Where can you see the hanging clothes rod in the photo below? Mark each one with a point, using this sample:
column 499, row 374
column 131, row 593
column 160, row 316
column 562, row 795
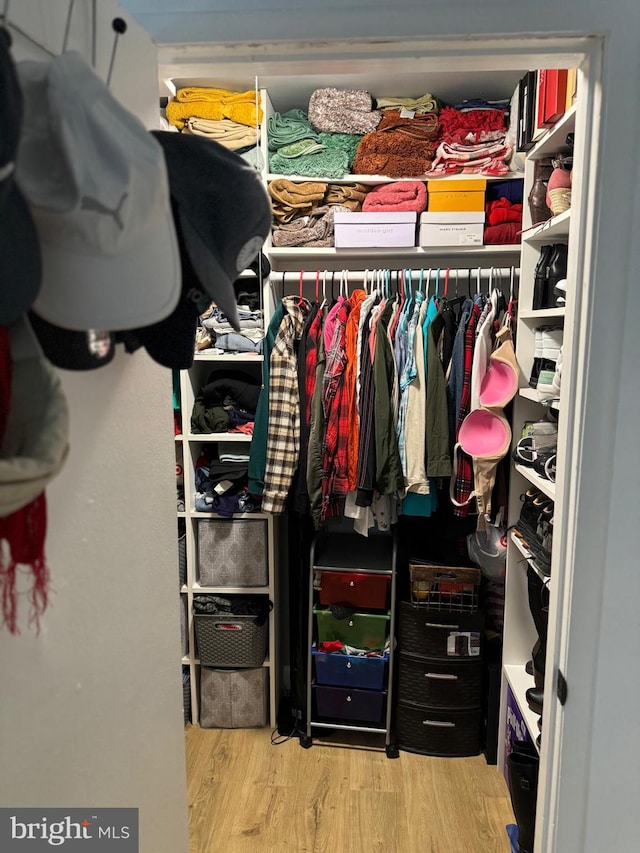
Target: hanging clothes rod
column 359, row 275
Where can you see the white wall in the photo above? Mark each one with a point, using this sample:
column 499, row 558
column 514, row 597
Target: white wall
column 599, row 776
column 91, row 709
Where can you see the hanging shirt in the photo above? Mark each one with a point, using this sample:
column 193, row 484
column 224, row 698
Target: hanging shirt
column 258, row 449
column 406, row 377
column 283, row 434
column 464, row 479
column 389, row 476
column 437, row 432
column 330, row 323
column 307, row 354
column 482, row 351
column 356, row 301
column 316, row 428
column 415, row 423
column 456, row 370
column 335, row 403
column 366, row 451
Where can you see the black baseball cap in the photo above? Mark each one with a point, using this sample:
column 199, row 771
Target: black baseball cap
column 222, row 209
column 73, row 350
column 20, row 261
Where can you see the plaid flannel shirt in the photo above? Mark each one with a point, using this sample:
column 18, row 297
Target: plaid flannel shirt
column 464, row 480
column 283, row 434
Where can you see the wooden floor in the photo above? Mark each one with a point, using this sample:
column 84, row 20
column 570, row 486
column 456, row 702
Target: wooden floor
column 248, row 796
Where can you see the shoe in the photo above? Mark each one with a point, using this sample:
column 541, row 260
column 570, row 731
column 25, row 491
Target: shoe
column 537, row 358
column 560, row 293
column 535, row 699
column 538, row 207
column 522, row 774
column 557, row 271
column 541, row 278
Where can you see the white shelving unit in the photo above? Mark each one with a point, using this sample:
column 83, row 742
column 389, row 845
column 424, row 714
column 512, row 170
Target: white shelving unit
column 519, row 631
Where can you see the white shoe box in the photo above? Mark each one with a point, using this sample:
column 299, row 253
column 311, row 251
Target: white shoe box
column 455, row 228
column 375, row 230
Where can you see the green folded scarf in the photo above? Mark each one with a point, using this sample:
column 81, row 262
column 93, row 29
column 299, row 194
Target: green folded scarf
column 285, row 128
column 324, row 164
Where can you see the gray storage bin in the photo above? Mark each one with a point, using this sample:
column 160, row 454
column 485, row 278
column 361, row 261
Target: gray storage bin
column 232, row 553
column 227, row 640
column 233, row 699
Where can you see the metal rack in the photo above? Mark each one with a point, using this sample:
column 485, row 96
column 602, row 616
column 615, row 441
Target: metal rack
column 352, row 553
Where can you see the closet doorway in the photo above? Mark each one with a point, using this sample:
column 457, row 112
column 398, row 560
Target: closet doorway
column 289, row 72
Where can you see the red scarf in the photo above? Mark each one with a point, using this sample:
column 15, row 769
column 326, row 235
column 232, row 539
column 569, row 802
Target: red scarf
column 23, row 530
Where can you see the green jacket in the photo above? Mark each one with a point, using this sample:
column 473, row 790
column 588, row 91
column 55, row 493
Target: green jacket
column 389, row 476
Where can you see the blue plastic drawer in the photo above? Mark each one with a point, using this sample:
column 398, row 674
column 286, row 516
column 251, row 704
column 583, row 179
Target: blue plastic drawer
column 361, row 630
column 350, row 670
column 342, row 703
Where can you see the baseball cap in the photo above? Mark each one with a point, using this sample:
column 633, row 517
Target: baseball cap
column 171, row 341
column 97, row 186
column 223, row 210
column 73, row 350
column 20, row 264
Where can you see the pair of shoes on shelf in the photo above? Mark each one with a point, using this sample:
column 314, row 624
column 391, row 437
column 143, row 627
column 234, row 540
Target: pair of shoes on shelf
column 547, row 349
column 550, row 270
column 534, row 528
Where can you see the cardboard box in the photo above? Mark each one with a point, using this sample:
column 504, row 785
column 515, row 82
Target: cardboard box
column 452, row 229
column 450, row 196
column 375, row 230
column 572, row 85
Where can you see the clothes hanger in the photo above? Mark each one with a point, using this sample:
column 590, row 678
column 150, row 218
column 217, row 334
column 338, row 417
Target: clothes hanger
column 317, row 285
column 300, row 284
column 324, row 290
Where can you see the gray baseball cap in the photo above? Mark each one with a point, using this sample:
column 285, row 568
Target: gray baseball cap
column 96, row 182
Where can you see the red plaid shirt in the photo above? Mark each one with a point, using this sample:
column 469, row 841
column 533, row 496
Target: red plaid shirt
column 464, row 479
column 335, row 403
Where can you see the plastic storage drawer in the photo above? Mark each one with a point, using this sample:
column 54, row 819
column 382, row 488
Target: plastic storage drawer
column 440, row 684
column 350, row 670
column 437, row 731
column 355, row 589
column 233, row 699
column 342, row 703
column 232, row 553
column 362, row 630
column 228, row 640
column 436, row 634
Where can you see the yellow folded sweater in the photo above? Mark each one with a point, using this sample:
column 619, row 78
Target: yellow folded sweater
column 214, row 104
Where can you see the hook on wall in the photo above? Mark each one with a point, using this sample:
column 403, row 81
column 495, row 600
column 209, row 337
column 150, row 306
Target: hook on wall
column 119, row 26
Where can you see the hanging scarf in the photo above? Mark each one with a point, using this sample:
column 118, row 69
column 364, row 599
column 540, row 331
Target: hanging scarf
column 24, row 530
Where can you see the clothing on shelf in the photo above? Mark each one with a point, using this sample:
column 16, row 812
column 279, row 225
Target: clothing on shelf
column 215, row 105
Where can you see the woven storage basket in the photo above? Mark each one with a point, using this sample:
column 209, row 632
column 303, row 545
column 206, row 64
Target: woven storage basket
column 439, row 634
column 182, row 559
column 232, row 553
column 440, row 684
column 229, row 640
column 233, row 699
column 438, row 731
column 453, row 588
column 560, row 200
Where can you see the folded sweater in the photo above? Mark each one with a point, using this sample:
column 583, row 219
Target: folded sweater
column 214, row 104
column 396, row 197
column 342, row 111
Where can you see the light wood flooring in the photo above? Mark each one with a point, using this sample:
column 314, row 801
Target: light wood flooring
column 248, row 796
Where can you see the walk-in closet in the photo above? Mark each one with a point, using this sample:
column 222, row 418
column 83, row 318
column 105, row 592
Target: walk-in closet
column 335, row 550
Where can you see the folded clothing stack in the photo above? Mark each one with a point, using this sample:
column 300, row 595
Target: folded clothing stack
column 230, row 134
column 315, row 230
column 251, row 322
column 473, row 141
column 327, row 155
column 222, row 484
column 396, row 197
column 424, row 104
column 226, row 403
column 343, row 111
column 400, row 147
column 503, row 222
column 291, row 200
column 214, row 104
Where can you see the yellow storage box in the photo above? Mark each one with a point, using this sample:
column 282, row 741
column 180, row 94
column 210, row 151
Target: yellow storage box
column 451, row 196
